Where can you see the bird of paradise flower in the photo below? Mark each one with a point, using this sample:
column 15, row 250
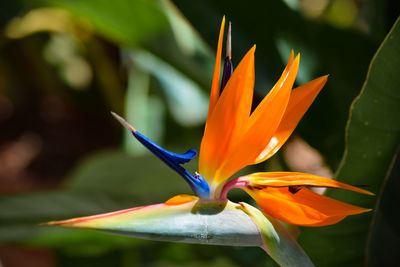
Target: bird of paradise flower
column 235, row 137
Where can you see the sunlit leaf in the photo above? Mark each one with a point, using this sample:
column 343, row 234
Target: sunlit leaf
column 125, row 21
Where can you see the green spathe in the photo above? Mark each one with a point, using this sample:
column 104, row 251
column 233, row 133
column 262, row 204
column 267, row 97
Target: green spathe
column 201, row 222
column 278, row 243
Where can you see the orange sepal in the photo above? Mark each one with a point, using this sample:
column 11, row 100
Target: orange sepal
column 305, row 207
column 300, row 100
column 229, row 118
column 282, row 179
column 180, row 199
column 262, row 123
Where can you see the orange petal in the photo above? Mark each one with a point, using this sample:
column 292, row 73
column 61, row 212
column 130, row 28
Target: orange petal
column 304, row 207
column 229, row 118
column 300, row 100
column 281, row 179
column 262, row 123
column 214, row 95
column 180, row 199
column 288, row 65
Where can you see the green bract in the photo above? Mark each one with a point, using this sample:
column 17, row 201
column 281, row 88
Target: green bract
column 202, row 222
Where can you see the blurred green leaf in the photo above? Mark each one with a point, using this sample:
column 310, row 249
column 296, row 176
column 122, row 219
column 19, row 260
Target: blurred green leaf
column 78, row 242
column 124, row 21
column 40, row 207
column 144, row 111
column 111, row 258
column 145, row 178
column 21, row 214
column 182, row 47
column 374, row 13
column 187, row 102
column 175, row 54
column 373, row 135
column 218, row 262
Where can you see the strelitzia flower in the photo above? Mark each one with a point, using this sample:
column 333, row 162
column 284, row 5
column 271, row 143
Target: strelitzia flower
column 235, row 137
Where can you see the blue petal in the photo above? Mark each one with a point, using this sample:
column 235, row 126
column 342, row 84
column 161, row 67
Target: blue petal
column 181, row 158
column 227, row 73
column 173, row 160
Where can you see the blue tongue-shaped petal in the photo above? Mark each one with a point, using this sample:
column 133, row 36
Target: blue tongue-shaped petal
column 165, row 155
column 173, row 160
column 156, row 149
column 183, row 158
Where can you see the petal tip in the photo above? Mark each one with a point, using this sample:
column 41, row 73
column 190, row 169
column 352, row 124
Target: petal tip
column 361, row 210
column 229, row 42
column 59, row 223
column 324, row 78
column 369, row 193
column 291, row 58
column 222, row 24
column 123, row 122
column 251, row 51
column 297, row 57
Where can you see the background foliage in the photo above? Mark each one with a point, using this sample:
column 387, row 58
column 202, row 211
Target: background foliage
column 64, row 64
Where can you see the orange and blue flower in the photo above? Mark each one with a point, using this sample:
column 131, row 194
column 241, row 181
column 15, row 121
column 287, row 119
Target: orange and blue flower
column 235, row 137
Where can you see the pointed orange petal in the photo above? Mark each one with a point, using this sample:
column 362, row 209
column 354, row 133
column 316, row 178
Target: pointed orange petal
column 229, row 118
column 300, row 100
column 276, row 100
column 282, row 179
column 304, row 207
column 288, row 65
column 291, row 57
column 262, row 123
column 214, row 95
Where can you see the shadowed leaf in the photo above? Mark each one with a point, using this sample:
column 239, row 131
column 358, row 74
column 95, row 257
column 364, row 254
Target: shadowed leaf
column 373, row 134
